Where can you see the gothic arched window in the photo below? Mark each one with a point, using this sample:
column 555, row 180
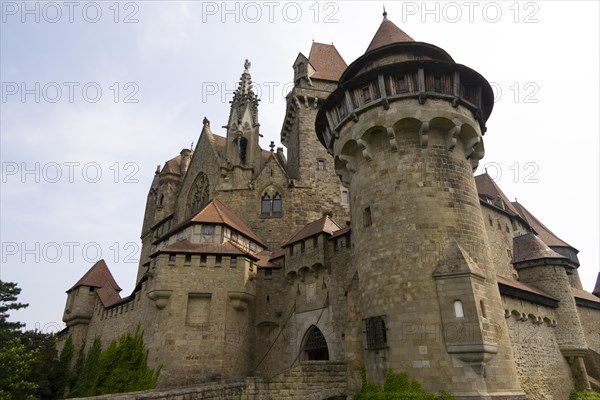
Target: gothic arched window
column 199, row 193
column 265, row 206
column 271, row 206
column 241, row 144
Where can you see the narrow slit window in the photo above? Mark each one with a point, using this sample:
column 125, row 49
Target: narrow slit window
column 367, row 217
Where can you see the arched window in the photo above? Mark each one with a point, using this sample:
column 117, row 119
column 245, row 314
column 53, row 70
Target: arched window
column 241, row 143
column 271, row 206
column 276, row 205
column 265, row 206
column 199, row 193
column 458, row 309
column 315, row 345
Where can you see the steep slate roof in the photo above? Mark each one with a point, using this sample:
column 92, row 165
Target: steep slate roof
column 543, row 232
column 327, row 62
column 325, row 224
column 173, row 166
column 530, row 247
column 99, row 277
column 488, row 188
column 387, row 33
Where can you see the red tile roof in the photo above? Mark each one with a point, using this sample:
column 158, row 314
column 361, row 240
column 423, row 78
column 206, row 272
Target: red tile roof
column 99, row 277
column 523, row 286
column 543, row 232
column 327, row 62
column 322, row 225
column 388, row 33
column 340, row 232
column 582, row 294
column 215, row 212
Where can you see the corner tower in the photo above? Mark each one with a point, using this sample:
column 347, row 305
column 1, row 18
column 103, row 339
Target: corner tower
column 405, row 127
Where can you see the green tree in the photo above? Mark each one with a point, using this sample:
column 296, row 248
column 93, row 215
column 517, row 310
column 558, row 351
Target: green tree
column 121, row 368
column 9, row 292
column 28, row 359
column 17, row 363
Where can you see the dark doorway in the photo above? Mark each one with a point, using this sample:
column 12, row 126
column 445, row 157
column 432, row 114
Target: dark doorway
column 315, row 345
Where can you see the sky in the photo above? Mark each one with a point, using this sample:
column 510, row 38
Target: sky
column 96, row 94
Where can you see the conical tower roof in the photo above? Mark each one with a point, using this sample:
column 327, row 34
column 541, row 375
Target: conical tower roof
column 388, row 33
column 530, row 247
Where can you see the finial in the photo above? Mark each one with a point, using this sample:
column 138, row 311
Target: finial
column 247, row 65
column 192, row 146
column 384, row 12
column 272, row 146
column 206, row 122
column 157, row 169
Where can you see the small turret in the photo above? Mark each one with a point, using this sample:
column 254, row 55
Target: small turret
column 544, row 268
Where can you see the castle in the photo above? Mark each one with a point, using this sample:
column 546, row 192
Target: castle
column 371, row 244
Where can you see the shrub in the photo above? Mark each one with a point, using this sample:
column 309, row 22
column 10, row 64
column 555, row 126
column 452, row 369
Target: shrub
column 397, row 386
column 584, row 395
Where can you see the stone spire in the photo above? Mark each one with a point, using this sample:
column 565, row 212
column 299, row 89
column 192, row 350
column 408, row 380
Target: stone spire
column 244, row 96
column 387, row 33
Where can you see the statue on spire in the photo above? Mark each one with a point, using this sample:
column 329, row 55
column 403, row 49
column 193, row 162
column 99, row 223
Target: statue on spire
column 247, row 65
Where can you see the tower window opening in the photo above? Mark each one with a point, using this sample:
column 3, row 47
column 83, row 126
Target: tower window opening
column 320, row 165
column 218, row 259
column 376, row 333
column 233, row 261
column 458, row 309
column 172, row 258
column 315, row 242
column 366, row 94
column 345, row 197
column 277, row 203
column 348, row 241
column 161, row 200
column 437, row 84
column 241, row 143
column 401, row 84
column 202, row 259
column 188, row 259
column 302, row 246
column 367, row 217
column 268, row 274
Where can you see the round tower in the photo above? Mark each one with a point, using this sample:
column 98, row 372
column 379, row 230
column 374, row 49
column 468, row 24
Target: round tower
column 405, row 127
column 542, row 267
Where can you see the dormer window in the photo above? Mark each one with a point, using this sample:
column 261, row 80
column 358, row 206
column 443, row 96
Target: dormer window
column 301, row 68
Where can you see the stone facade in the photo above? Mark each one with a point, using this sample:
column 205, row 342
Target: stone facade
column 371, row 245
